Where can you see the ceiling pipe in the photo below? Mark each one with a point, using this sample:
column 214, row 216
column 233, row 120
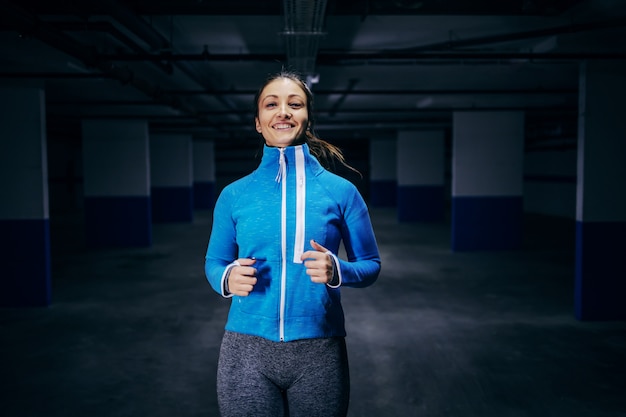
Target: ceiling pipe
column 107, row 27
column 540, row 91
column 404, row 58
column 345, row 57
column 304, row 21
column 157, row 42
column 28, row 25
column 303, row 29
column 137, row 25
column 55, row 75
column 517, row 36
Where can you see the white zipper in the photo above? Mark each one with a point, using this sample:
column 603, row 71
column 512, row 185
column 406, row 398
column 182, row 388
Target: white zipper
column 300, row 229
column 282, row 176
column 298, row 248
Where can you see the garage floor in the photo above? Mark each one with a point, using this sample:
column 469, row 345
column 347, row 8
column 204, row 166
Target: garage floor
column 136, row 332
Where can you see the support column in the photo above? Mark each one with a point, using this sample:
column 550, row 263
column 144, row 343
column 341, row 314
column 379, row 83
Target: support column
column 117, row 183
column 383, row 174
column 600, row 198
column 24, row 215
column 487, row 178
column 421, row 193
column 171, row 170
column 204, row 175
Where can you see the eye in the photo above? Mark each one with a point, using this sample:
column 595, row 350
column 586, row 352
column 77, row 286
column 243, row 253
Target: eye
column 296, row 105
column 270, row 105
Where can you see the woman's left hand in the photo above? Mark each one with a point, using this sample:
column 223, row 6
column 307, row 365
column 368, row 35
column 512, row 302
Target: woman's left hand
column 318, row 263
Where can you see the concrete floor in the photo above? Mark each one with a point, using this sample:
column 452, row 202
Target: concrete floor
column 136, row 332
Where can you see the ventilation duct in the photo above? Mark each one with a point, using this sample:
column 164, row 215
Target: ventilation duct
column 304, row 20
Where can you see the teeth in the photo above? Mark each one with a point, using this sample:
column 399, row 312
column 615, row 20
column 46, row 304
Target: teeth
column 282, row 126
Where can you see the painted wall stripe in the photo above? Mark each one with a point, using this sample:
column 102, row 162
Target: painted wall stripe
column 421, row 203
column 25, row 259
column 118, row 221
column 203, row 195
column 486, row 223
column 383, row 193
column 600, row 271
column 172, row 204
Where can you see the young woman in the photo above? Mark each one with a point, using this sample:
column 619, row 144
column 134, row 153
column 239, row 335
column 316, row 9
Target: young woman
column 273, row 246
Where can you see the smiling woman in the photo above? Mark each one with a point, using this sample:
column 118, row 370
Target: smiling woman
column 273, row 249
column 295, row 114
column 282, row 116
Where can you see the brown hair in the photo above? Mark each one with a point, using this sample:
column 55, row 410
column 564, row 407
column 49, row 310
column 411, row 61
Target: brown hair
column 327, row 154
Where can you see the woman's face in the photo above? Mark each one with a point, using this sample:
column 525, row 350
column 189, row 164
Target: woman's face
column 283, row 114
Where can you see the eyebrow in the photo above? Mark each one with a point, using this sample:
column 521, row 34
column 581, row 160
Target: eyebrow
column 289, row 96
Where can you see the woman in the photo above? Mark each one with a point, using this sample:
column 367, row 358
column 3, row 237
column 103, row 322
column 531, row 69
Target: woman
column 273, row 246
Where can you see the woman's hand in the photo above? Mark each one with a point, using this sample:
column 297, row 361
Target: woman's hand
column 242, row 278
column 318, row 263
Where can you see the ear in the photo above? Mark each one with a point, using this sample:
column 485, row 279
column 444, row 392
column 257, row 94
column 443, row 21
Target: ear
column 258, row 125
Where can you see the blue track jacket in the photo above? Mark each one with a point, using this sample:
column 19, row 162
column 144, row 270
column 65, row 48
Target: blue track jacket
column 271, row 215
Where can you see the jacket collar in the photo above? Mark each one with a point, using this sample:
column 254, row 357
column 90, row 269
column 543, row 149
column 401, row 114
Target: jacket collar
column 271, row 159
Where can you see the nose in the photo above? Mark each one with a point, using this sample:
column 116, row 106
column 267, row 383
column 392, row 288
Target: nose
column 284, row 111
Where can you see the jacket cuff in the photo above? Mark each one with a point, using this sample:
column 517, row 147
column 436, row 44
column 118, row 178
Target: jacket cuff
column 224, row 280
column 335, row 282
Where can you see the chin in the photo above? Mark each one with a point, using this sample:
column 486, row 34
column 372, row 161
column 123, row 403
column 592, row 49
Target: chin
column 283, row 143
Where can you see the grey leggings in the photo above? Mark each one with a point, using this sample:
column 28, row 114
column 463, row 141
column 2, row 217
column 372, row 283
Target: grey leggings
column 304, row 378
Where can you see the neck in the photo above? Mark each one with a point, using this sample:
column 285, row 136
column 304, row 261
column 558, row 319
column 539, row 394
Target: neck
column 296, row 142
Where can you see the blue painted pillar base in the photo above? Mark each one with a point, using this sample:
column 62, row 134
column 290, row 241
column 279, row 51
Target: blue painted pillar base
column 600, row 288
column 383, row 193
column 118, row 221
column 487, row 223
column 172, row 204
column 25, row 263
column 204, row 195
column 421, row 203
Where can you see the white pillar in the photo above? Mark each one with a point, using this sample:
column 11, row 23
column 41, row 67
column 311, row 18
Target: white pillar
column 204, row 174
column 116, row 166
column 24, row 215
column 171, row 169
column 600, row 197
column 487, row 178
column 421, row 188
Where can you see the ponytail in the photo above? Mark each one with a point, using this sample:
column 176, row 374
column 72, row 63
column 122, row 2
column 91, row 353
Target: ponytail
column 327, row 154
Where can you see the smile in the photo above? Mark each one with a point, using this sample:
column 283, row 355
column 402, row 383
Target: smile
column 282, row 126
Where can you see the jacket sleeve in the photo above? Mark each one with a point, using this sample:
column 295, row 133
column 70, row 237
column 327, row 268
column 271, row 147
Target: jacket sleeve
column 362, row 267
column 222, row 249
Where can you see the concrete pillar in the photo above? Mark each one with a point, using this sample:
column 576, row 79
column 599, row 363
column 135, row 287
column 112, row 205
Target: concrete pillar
column 383, row 174
column 116, row 166
column 600, row 195
column 204, row 174
column 421, row 188
column 487, row 178
column 171, row 170
column 24, row 214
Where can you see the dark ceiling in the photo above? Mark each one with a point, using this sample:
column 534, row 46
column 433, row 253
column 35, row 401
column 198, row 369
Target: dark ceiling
column 375, row 66
column 334, row 7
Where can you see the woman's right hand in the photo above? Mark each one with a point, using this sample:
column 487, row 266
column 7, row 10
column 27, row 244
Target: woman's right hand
column 242, row 278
